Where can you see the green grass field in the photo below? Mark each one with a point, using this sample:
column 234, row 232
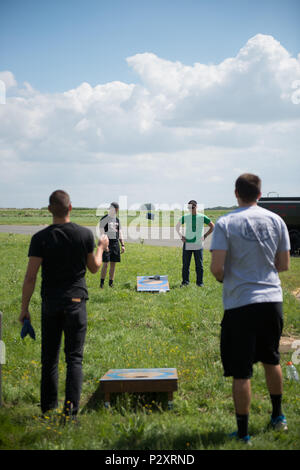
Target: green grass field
column 90, row 217
column 127, row 329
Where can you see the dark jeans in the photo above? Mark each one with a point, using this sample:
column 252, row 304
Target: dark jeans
column 186, row 261
column 68, row 317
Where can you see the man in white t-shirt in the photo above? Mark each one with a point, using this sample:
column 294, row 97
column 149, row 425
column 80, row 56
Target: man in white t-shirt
column 250, row 246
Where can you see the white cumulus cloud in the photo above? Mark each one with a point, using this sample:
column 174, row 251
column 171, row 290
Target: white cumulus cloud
column 183, row 128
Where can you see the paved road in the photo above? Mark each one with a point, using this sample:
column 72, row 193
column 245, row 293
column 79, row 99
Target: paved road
column 165, row 236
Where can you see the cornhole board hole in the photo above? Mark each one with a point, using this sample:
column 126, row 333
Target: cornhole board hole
column 139, row 381
column 153, row 283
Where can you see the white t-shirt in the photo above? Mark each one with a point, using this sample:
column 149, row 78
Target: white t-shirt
column 251, row 236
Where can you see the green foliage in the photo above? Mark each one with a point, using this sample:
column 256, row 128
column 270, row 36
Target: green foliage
column 127, row 329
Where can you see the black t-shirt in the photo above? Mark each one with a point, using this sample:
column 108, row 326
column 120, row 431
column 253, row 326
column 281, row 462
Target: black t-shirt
column 64, row 249
column 111, row 227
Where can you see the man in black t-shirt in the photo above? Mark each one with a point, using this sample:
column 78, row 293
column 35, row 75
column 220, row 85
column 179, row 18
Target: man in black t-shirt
column 110, row 225
column 64, row 250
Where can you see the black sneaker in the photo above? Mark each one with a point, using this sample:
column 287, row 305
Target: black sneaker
column 69, row 419
column 68, row 416
column 279, row 423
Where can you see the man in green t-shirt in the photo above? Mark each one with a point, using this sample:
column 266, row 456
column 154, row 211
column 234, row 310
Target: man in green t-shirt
column 192, row 241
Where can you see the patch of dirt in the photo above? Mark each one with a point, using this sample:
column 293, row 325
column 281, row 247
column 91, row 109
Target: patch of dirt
column 296, row 293
column 286, row 344
column 287, row 341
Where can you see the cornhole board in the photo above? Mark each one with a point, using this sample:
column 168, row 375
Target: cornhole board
column 149, row 284
column 139, row 381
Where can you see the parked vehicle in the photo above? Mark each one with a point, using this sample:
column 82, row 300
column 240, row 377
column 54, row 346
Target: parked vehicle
column 289, row 210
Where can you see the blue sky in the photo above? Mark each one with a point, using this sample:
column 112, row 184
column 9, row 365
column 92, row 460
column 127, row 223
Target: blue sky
column 55, row 45
column 144, row 108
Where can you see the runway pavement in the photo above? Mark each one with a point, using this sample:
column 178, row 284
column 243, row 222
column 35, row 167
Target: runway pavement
column 164, row 236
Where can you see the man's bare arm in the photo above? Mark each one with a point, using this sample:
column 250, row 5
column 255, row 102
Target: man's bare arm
column 282, row 261
column 121, row 238
column 211, row 228
column 178, row 227
column 217, row 264
column 94, row 260
column 33, row 267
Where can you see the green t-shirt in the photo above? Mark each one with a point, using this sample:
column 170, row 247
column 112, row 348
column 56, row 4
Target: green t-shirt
column 194, row 227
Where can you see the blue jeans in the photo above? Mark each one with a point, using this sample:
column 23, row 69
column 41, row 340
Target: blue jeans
column 186, row 261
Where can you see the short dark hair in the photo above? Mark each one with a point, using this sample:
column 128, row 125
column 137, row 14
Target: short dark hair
column 59, row 202
column 193, row 202
column 248, row 187
column 115, row 205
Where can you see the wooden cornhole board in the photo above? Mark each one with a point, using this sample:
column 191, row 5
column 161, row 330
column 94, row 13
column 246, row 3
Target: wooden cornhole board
column 139, row 381
column 150, row 284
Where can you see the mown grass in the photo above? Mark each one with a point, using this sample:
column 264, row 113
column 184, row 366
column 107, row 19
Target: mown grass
column 90, row 217
column 127, row 329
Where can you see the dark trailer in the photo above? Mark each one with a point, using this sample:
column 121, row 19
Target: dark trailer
column 289, row 210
